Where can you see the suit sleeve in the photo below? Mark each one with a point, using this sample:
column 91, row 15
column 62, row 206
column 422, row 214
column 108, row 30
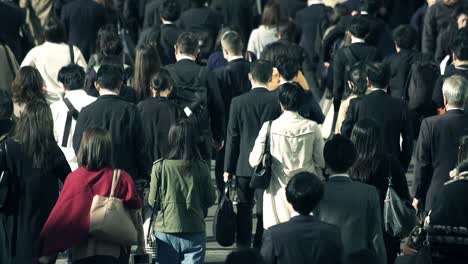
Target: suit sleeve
column 407, row 143
column 141, row 150
column 318, row 149
column 437, row 96
column 232, row 140
column 338, row 79
column 423, row 167
column 215, row 107
column 375, row 227
column 350, row 118
column 267, row 251
column 429, row 33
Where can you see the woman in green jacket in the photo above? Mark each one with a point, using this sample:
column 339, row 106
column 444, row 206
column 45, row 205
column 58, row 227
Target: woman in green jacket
column 181, row 185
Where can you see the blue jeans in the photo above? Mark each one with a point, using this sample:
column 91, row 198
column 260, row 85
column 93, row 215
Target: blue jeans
column 184, row 248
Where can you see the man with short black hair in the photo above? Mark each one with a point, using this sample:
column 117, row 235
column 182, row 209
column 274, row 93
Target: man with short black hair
column 390, row 113
column 247, row 114
column 169, row 31
column 303, row 239
column 350, row 205
column 66, row 111
column 121, row 119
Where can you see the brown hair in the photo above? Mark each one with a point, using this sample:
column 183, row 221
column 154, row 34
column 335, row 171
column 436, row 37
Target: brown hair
column 28, row 86
column 95, row 151
column 147, row 63
column 271, row 16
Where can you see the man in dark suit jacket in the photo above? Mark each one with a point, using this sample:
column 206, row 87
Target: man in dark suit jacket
column 389, row 112
column 247, row 114
column 187, row 73
column 350, row 205
column 121, row 119
column 303, row 239
column 201, row 18
column 11, row 19
column 437, row 148
column 348, row 56
column 82, row 20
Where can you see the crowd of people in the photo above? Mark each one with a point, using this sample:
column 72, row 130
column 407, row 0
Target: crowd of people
column 132, row 100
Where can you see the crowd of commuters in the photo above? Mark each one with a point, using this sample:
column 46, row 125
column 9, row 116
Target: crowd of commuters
column 134, row 100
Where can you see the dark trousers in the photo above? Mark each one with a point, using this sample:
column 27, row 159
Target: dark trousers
column 219, row 171
column 98, row 259
column 245, row 213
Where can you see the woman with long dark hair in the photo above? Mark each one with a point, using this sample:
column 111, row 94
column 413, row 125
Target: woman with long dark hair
column 158, row 113
column 147, row 63
column 27, row 87
column 375, row 167
column 34, row 165
column 181, row 185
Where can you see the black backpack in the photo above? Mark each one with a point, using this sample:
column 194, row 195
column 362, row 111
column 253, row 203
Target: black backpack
column 353, row 62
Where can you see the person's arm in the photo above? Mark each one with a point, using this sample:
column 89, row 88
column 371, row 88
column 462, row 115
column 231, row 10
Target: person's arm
column 208, row 189
column 375, row 227
column 155, row 177
column 257, row 152
column 215, row 108
column 61, row 168
column 252, row 43
column 429, row 32
column 407, row 143
column 423, row 167
column 338, row 79
column 232, row 140
column 80, row 60
column 437, row 96
column 350, row 118
column 318, row 148
column 142, row 158
column 267, row 251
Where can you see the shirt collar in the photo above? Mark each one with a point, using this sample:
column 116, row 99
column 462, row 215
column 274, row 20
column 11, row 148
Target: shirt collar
column 107, row 92
column 235, row 58
column 79, row 92
column 454, row 108
column 185, row 57
column 339, row 175
column 313, row 2
column 377, row 89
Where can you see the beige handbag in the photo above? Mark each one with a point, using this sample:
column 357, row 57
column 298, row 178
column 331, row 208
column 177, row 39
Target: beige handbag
column 110, row 221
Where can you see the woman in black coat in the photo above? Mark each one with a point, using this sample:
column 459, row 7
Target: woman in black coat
column 375, row 167
column 34, row 163
column 158, row 113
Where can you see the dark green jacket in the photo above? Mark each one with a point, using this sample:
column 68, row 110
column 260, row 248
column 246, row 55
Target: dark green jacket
column 186, row 195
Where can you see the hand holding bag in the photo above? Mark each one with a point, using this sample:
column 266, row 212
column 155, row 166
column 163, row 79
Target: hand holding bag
column 224, row 223
column 262, row 173
column 399, row 216
column 109, row 219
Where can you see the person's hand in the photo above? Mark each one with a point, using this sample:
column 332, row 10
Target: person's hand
column 227, row 176
column 219, row 145
column 415, row 204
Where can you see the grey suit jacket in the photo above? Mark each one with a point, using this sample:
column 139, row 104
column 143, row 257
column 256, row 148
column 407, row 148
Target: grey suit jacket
column 354, row 207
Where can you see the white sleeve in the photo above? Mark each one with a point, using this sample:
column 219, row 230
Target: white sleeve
column 257, row 152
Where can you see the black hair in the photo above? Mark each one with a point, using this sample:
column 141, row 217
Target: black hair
column 72, row 76
column 232, row 42
column 147, row 63
column 378, row 74
column 6, row 104
column 198, row 3
column 287, row 67
column 272, row 15
column 243, row 256
column 339, row 153
column 108, row 43
column 54, row 31
column 371, row 6
column 109, row 77
column 358, row 76
column 161, row 81
column 304, row 192
column 169, row 10
column 290, row 32
column 261, row 71
column 405, row 37
column 187, row 43
column 183, row 141
column 459, row 46
column 359, row 27
column 291, row 96
column 28, row 85
column 95, row 151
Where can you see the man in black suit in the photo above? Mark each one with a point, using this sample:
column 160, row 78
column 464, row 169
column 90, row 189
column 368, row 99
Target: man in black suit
column 121, row 119
column 303, row 239
column 11, row 20
column 247, row 114
column 346, row 57
column 82, row 20
column 187, row 73
column 234, row 81
column 152, row 13
column 389, row 112
column 350, row 205
column 437, row 148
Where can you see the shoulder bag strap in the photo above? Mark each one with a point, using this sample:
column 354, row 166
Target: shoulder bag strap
column 115, row 180
column 72, row 54
column 267, row 141
column 389, row 175
column 72, row 113
column 350, row 56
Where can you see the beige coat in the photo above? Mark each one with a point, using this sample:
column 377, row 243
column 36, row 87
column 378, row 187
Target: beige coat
column 296, row 146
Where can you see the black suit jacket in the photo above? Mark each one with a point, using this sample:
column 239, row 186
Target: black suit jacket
column 204, row 18
column 436, row 153
column 11, row 19
column 392, row 116
column 152, row 17
column 361, row 52
column 82, row 20
column 247, row 115
column 303, row 239
column 237, row 14
column 122, row 120
column 185, row 73
column 166, row 37
column 437, row 96
column 354, row 208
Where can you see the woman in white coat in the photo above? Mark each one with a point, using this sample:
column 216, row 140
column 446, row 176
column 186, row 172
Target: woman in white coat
column 296, row 145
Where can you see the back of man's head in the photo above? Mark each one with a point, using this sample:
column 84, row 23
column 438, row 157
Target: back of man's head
column 232, row 43
column 291, row 96
column 187, row 44
column 261, row 71
column 6, row 104
column 109, row 77
column 378, row 75
column 405, row 37
column 72, row 77
column 287, row 67
column 454, row 90
column 304, row 192
column 339, row 154
column 169, row 10
column 459, row 44
column 359, row 27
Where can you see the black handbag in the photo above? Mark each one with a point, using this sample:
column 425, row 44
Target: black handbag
column 262, row 173
column 224, row 223
column 399, row 216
